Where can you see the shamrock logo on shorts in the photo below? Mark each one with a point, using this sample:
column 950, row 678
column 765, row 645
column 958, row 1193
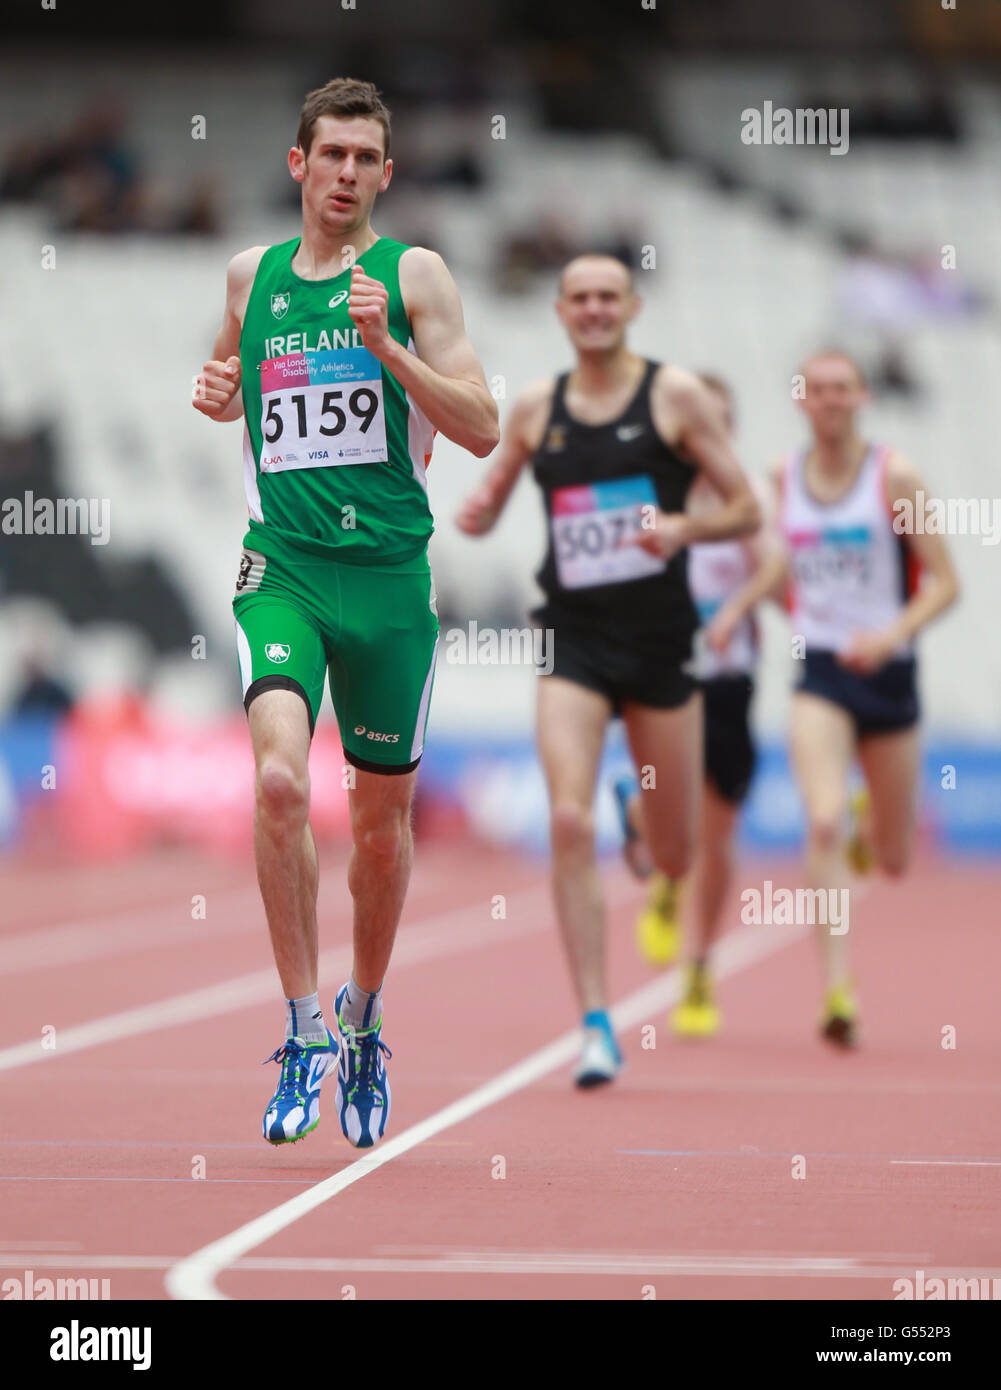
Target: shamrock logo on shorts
column 277, row 652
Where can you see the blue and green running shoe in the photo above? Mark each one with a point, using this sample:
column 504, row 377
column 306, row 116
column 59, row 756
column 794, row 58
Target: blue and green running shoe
column 295, row 1106
column 363, row 1094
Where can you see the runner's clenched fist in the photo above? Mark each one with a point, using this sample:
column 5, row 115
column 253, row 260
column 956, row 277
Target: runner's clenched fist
column 216, row 385
column 368, row 305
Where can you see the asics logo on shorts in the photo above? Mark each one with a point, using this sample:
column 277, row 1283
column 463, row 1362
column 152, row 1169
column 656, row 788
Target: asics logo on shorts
column 376, row 737
column 251, row 572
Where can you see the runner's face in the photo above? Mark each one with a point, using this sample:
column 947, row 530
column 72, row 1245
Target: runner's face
column 343, row 172
column 595, row 307
column 833, row 395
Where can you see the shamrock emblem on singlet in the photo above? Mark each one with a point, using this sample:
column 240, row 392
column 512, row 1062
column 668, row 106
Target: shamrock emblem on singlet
column 280, row 305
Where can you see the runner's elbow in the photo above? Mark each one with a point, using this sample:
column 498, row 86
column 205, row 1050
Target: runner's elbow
column 751, row 516
column 486, row 442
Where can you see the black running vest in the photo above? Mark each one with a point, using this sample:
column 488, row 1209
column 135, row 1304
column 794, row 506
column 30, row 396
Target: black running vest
column 600, row 482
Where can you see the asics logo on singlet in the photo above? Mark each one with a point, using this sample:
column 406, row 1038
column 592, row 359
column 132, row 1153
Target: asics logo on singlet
column 627, row 432
column 277, row 652
column 338, row 298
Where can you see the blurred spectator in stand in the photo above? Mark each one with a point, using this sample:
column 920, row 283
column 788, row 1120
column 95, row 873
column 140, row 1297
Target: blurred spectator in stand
column 200, row 213
column 888, row 111
column 40, row 692
column 523, row 255
column 101, row 186
column 882, row 295
column 877, row 305
column 92, row 180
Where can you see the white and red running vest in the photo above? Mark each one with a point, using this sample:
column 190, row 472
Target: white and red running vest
column 849, row 570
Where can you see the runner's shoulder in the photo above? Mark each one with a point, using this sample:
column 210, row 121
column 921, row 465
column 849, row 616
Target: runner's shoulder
column 530, row 410
column 243, row 266
column 240, row 273
column 901, row 475
column 421, row 270
column 678, row 385
column 421, row 258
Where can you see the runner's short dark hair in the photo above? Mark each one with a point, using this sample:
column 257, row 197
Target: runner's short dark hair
column 342, row 96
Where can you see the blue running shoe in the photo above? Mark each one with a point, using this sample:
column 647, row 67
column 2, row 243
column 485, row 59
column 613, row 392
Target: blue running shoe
column 624, row 789
column 295, row 1106
column 363, row 1094
column 634, row 850
column 600, row 1058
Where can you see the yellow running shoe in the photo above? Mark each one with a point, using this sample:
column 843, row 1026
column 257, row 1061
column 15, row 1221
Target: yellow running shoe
column 858, row 848
column 839, row 1021
column 697, row 1016
column 658, row 931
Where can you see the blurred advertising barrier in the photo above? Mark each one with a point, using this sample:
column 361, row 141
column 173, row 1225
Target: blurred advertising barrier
column 498, row 784
column 114, row 776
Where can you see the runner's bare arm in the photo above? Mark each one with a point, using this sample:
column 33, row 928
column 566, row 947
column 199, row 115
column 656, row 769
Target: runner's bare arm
column 217, row 391
column 939, row 587
column 767, row 580
column 705, row 439
column 766, row 547
column 685, row 409
column 444, row 377
column 482, row 508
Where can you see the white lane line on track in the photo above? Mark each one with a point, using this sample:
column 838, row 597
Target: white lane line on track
column 535, row 1262
column 447, row 933
column 946, row 1162
column 236, row 911
column 194, row 1276
column 120, row 933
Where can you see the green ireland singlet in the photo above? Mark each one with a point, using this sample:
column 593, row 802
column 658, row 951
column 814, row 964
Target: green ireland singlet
column 334, row 451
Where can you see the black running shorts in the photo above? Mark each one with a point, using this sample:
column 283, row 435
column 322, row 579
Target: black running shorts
column 729, row 748
column 644, row 670
column 882, row 703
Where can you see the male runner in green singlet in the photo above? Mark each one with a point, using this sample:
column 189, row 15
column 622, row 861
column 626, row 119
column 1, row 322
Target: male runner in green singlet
column 345, row 351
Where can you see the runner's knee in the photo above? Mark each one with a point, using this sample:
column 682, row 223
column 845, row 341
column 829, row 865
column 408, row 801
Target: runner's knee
column 825, row 832
column 282, row 791
column 895, row 859
column 572, row 827
column 379, row 835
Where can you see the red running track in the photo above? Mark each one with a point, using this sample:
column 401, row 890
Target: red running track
column 679, row 1181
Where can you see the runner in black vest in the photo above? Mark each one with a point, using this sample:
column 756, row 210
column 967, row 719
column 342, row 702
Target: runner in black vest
column 594, row 478
column 615, row 444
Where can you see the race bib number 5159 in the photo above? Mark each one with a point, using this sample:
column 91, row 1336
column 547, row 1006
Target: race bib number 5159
column 591, row 523
column 321, row 409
